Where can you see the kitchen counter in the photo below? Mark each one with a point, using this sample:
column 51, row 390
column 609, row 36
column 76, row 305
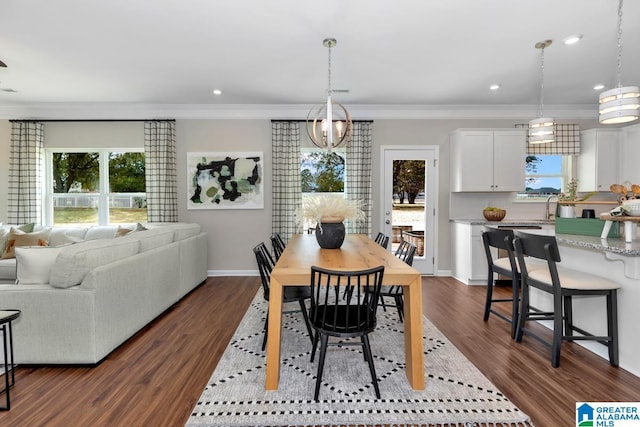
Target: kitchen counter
column 612, row 258
column 612, row 245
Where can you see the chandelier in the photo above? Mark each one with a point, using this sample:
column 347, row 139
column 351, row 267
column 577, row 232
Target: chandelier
column 329, row 125
column 621, row 104
column 542, row 130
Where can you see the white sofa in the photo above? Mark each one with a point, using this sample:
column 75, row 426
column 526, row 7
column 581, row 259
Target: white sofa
column 99, row 291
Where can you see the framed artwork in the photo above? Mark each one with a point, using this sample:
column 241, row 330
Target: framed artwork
column 232, row 180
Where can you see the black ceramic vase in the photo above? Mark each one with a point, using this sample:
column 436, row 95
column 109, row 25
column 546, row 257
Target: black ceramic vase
column 330, row 235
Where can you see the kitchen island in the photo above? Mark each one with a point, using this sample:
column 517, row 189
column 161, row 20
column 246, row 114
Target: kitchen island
column 612, row 258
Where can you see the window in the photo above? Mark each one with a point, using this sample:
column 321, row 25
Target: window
column 321, row 172
column 95, row 187
column 545, row 174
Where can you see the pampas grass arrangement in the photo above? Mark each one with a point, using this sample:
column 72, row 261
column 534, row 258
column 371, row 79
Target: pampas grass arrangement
column 330, row 209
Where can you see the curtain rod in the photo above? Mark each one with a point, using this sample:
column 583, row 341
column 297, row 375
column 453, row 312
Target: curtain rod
column 91, row 120
column 304, row 121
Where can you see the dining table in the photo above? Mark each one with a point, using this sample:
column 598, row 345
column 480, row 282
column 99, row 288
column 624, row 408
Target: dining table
column 358, row 252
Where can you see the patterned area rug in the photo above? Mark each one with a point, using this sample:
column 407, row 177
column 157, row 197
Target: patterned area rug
column 457, row 394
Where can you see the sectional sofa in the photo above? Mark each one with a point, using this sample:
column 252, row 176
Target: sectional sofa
column 88, row 291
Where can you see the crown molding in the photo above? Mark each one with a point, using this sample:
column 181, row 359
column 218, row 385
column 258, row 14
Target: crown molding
column 116, row 111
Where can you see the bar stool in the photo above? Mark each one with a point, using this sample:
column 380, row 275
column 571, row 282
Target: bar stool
column 6, row 317
column 502, row 240
column 563, row 284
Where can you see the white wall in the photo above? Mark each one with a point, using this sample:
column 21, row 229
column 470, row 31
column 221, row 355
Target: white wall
column 233, row 233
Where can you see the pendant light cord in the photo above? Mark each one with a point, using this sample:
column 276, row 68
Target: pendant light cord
column 540, row 111
column 620, row 44
column 329, row 73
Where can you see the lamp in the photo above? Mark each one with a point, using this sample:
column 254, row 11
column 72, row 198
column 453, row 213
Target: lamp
column 329, row 125
column 542, row 130
column 621, row 104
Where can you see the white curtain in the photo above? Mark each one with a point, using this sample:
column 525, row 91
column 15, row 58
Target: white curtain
column 287, row 192
column 26, row 172
column 358, row 166
column 161, row 178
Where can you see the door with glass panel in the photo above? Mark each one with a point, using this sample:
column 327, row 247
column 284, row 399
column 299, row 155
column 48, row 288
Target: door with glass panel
column 409, row 197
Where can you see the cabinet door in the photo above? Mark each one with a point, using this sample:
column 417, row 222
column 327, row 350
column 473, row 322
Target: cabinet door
column 598, row 160
column 479, row 268
column 472, row 161
column 509, row 159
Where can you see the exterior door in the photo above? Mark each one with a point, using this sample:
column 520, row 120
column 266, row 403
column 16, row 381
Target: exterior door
column 409, row 198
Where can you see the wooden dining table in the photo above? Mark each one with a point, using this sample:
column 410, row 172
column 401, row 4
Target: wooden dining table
column 358, row 252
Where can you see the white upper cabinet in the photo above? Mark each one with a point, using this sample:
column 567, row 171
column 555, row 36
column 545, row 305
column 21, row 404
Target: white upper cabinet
column 630, row 154
column 488, row 160
column 597, row 166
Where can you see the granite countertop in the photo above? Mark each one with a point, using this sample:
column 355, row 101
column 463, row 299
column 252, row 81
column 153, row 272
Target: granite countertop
column 613, row 245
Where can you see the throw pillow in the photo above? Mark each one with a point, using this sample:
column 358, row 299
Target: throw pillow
column 19, row 238
column 4, row 234
column 123, row 230
column 33, row 264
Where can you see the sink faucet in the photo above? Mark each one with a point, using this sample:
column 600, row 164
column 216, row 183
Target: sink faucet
column 547, row 213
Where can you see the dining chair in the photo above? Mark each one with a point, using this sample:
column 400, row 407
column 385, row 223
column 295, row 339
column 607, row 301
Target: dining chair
column 277, row 244
column 406, row 252
column 382, row 239
column 335, row 317
column 289, row 293
column 563, row 284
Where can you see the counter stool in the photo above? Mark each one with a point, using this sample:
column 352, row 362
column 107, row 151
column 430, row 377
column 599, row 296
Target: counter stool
column 563, row 284
column 501, row 239
column 6, row 317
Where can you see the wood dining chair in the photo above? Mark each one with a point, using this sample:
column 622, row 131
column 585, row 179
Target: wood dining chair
column 382, row 239
column 333, row 317
column 277, row 244
column 406, row 252
column 298, row 294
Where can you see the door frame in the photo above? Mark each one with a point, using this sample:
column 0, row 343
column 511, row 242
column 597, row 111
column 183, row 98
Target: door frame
column 432, row 187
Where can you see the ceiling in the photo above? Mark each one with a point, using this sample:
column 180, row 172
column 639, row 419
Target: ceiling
column 418, row 54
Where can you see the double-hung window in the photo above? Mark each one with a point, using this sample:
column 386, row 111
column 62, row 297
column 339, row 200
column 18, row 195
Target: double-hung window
column 96, row 186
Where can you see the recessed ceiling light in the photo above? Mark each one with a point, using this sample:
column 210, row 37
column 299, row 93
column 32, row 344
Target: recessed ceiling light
column 494, row 87
column 217, row 92
column 599, row 86
column 573, row 39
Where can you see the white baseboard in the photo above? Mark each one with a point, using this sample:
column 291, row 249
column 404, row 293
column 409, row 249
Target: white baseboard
column 215, row 273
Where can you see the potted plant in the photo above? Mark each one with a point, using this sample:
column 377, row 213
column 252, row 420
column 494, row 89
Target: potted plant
column 329, row 213
column 567, row 200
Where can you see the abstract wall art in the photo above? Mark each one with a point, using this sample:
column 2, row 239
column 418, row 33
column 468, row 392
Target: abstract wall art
column 232, row 180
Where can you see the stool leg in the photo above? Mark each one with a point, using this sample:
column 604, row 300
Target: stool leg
column 557, row 329
column 628, row 231
column 487, row 304
column 515, row 300
column 568, row 316
column 612, row 326
column 606, row 229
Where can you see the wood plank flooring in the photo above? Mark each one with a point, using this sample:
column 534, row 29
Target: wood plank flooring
column 156, row 377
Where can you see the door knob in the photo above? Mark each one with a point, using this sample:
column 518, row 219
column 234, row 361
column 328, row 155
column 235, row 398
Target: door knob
column 387, row 222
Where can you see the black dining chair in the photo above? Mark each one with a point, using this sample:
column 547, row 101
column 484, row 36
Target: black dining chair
column 563, row 284
column 406, row 252
column 289, row 293
column 382, row 239
column 277, row 244
column 333, row 317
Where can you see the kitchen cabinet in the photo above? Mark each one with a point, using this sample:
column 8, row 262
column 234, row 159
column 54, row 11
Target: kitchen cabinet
column 486, row 160
column 630, row 154
column 597, row 166
column 469, row 259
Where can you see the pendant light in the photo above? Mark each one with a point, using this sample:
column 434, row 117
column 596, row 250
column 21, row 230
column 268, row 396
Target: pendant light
column 621, row 104
column 542, row 130
column 329, row 125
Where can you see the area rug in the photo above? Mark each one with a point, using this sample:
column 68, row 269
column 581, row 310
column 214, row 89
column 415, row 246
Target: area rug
column 456, row 393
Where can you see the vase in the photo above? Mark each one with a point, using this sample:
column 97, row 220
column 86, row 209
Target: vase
column 567, row 211
column 330, row 235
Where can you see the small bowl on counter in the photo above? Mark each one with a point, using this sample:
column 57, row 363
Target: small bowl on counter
column 494, row 214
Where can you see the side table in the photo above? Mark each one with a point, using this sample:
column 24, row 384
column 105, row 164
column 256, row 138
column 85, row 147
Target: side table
column 6, row 317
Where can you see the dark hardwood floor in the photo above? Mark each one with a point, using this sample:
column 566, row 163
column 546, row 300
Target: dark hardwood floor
column 156, row 377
